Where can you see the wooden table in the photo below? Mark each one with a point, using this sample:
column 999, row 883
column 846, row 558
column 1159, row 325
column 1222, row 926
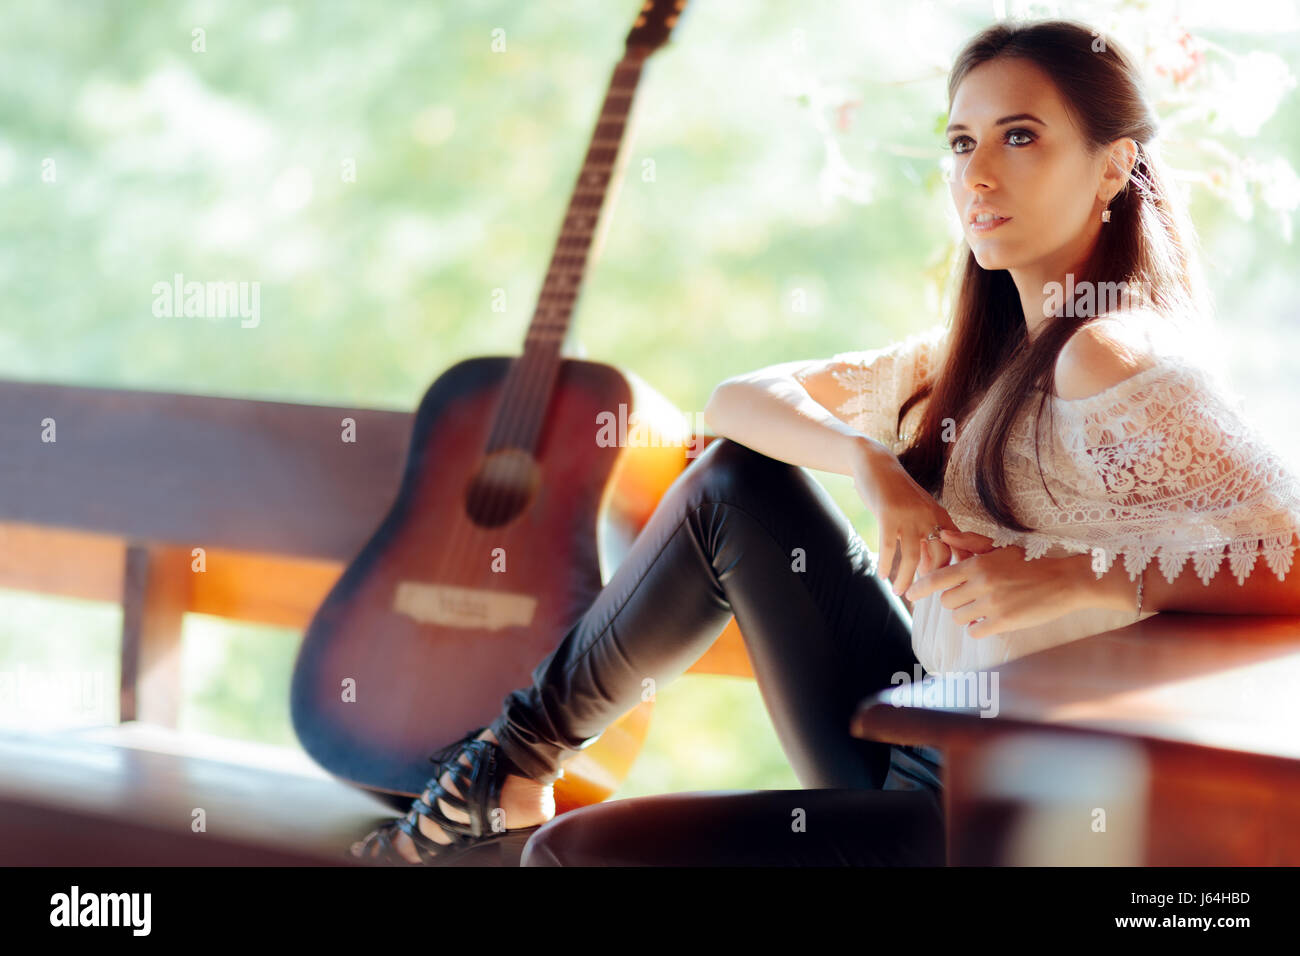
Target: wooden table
column 1181, row 733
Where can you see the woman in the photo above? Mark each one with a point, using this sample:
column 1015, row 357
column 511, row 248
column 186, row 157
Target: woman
column 1062, row 195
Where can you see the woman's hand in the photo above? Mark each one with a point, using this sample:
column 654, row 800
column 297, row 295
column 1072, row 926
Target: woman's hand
column 1001, row 587
column 966, row 543
column 905, row 512
column 962, row 543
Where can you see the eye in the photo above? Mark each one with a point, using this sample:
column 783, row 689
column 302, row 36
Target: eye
column 1029, row 138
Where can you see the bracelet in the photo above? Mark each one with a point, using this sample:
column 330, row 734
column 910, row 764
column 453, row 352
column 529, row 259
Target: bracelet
column 1141, row 576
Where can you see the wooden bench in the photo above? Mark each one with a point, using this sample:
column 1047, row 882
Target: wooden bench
column 1180, row 729
column 143, row 794
column 111, row 510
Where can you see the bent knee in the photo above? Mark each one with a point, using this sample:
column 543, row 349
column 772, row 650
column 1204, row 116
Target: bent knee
column 727, row 466
column 558, row 843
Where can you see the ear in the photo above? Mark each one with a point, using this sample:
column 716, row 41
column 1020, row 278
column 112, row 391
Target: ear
column 1120, row 159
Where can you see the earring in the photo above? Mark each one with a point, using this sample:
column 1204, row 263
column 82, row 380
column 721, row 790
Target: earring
column 1105, row 215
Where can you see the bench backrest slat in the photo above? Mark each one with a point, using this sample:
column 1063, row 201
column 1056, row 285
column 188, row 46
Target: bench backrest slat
column 191, row 469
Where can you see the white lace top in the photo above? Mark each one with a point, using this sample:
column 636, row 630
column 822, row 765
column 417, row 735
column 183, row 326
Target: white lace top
column 1162, row 464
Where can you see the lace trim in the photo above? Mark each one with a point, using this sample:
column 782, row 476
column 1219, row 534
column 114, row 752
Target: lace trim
column 1161, row 465
column 1242, row 554
column 880, row 380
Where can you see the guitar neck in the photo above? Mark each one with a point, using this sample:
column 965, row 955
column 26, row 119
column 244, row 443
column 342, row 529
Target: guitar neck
column 531, row 379
column 563, row 282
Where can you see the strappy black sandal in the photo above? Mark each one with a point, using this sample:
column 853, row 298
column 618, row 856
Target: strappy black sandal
column 473, row 843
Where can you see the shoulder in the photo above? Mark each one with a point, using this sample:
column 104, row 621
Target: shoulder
column 1105, row 352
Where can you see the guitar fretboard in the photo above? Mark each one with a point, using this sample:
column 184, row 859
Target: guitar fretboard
column 564, row 276
column 531, row 378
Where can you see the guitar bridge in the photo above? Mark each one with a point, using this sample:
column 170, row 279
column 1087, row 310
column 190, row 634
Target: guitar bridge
column 463, row 607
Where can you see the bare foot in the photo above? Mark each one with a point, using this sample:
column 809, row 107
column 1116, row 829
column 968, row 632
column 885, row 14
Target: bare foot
column 525, row 801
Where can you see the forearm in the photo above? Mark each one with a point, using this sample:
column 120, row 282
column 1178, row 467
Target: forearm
column 1261, row 592
column 778, row 418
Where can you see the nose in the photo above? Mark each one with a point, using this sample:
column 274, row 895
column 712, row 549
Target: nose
column 977, row 172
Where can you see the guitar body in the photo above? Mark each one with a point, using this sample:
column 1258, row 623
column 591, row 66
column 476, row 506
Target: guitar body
column 481, row 566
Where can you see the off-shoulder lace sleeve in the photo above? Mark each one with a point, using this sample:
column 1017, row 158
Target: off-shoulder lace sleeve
column 880, row 380
column 1164, row 464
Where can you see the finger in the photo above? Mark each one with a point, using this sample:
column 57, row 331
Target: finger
column 979, row 617
column 959, row 597
column 991, row 624
column 933, row 555
column 962, row 555
column 970, row 540
column 937, row 580
column 940, row 556
column 911, row 550
column 926, row 561
column 967, row 538
column 888, row 540
column 985, row 625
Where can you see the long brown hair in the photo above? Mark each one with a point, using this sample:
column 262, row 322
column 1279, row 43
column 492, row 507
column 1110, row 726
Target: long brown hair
column 1147, row 244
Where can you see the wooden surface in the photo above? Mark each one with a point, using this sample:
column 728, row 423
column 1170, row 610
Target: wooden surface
column 126, row 795
column 1208, row 703
column 155, row 595
column 1225, row 681
column 270, row 477
column 112, row 511
column 275, row 498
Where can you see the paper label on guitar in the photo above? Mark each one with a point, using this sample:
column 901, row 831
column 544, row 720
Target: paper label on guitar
column 463, row 607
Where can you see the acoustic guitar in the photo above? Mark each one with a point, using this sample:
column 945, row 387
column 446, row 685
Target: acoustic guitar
column 512, row 513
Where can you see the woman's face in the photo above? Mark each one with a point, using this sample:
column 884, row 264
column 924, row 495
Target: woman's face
column 1032, row 169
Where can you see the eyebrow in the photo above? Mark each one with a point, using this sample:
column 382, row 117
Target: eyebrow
column 1006, row 119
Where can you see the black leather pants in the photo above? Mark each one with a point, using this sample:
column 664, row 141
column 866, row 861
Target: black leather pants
column 739, row 533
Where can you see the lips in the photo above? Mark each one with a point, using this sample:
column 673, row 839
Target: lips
column 982, row 228
column 984, row 211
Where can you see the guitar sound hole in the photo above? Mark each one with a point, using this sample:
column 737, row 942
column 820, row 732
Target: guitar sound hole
column 501, row 488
